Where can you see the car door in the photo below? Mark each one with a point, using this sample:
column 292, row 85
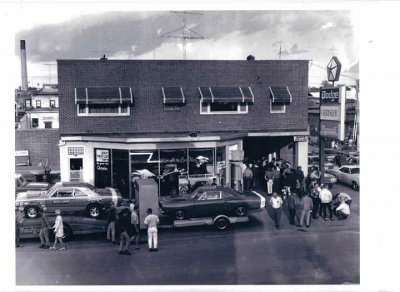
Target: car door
column 344, row 175
column 79, row 201
column 63, row 199
column 208, row 204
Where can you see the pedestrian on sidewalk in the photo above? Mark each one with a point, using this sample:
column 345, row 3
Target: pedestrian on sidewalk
column 126, row 231
column 298, row 202
column 276, row 179
column 247, row 178
column 135, row 224
column 151, row 221
column 58, row 231
column 326, row 200
column 316, row 200
column 19, row 220
column 269, row 179
column 276, row 204
column 292, row 199
column 44, row 230
column 307, row 207
column 112, row 219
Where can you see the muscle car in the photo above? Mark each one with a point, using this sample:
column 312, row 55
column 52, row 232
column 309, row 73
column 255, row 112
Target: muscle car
column 209, row 201
column 70, row 197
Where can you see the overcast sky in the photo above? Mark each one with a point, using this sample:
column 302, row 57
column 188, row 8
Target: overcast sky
column 308, row 34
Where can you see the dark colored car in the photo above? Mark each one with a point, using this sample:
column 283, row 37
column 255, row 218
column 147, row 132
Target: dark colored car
column 208, row 201
column 70, row 198
column 23, row 185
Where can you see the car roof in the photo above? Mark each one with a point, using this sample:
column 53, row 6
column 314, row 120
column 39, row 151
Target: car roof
column 350, row 166
column 74, row 184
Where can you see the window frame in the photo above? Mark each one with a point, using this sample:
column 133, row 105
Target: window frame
column 237, row 112
column 87, row 114
column 38, row 103
column 52, row 103
column 276, row 111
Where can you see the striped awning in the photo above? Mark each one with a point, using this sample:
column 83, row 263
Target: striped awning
column 226, row 94
column 173, row 95
column 280, row 94
column 103, row 95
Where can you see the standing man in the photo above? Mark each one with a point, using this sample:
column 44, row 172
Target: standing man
column 269, row 178
column 298, row 201
column 135, row 224
column 276, row 179
column 276, row 204
column 151, row 221
column 44, row 231
column 111, row 218
column 326, row 199
column 314, row 194
column 307, row 207
column 300, row 177
column 247, row 178
column 126, row 229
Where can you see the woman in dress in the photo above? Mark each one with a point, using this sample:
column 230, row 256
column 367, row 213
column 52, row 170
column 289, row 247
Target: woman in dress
column 58, row 231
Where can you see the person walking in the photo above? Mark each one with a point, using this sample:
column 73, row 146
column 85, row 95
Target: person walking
column 19, row 220
column 44, row 231
column 112, row 219
column 58, row 231
column 247, row 178
column 292, row 199
column 135, row 225
column 307, row 207
column 276, row 179
column 126, row 231
column 269, row 178
column 276, row 204
column 299, row 174
column 326, row 199
column 314, row 194
column 298, row 202
column 151, row 221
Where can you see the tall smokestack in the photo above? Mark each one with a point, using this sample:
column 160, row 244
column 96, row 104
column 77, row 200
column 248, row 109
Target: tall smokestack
column 24, row 72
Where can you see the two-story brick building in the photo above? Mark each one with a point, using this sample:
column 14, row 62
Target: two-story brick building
column 124, row 117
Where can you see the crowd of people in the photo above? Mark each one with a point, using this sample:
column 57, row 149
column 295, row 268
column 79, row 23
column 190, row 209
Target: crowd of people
column 305, row 197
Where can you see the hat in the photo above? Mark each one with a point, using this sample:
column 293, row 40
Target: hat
column 58, row 212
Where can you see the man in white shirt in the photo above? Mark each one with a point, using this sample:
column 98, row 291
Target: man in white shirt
column 151, row 221
column 326, row 200
column 343, row 210
column 276, row 204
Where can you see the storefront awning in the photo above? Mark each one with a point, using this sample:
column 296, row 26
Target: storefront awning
column 103, row 95
column 280, row 94
column 173, row 95
column 226, row 94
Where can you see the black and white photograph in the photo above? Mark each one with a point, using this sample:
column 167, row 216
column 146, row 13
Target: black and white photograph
column 193, row 147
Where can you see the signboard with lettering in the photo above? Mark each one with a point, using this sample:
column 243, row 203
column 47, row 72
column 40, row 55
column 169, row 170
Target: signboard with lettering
column 102, row 168
column 300, row 138
column 332, row 112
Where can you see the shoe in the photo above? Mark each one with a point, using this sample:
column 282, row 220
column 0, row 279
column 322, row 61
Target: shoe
column 63, row 248
column 332, row 219
column 52, row 247
column 42, row 246
column 308, row 226
column 150, row 249
column 325, row 219
column 127, row 252
column 277, row 227
column 154, row 249
column 46, row 246
column 113, row 242
column 120, row 252
column 17, row 245
column 137, row 247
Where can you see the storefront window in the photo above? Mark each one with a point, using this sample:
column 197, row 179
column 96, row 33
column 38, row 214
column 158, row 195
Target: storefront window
column 221, row 165
column 201, row 162
column 173, row 170
column 120, row 171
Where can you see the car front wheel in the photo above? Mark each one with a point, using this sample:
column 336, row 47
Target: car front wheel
column 355, row 186
column 179, row 215
column 31, row 212
column 241, row 211
column 94, row 211
column 222, row 223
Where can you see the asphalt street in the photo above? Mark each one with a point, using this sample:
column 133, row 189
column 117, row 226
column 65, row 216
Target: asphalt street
column 248, row 253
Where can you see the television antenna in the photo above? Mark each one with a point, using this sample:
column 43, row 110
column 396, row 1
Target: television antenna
column 183, row 32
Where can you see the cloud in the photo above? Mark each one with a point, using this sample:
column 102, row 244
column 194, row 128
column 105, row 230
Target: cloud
column 327, row 25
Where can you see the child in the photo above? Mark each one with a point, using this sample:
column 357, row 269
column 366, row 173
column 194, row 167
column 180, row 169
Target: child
column 58, row 231
column 343, row 211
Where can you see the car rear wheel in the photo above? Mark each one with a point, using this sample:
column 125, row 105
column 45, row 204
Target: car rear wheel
column 241, row 211
column 222, row 223
column 355, row 186
column 93, row 211
column 31, row 212
column 179, row 215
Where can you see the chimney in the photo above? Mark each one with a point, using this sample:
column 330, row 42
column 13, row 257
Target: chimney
column 24, row 73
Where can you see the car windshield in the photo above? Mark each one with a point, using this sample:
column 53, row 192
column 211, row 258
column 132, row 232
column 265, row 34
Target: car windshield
column 196, row 194
column 355, row 171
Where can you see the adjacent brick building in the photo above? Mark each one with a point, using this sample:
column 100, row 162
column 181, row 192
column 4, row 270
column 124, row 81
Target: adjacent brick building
column 121, row 117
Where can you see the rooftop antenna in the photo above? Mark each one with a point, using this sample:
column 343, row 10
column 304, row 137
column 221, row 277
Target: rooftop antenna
column 102, row 52
column 49, row 65
column 280, row 49
column 183, row 32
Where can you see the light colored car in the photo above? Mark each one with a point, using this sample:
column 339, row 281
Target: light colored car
column 347, row 174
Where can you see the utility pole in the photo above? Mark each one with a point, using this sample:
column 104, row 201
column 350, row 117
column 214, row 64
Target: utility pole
column 184, row 33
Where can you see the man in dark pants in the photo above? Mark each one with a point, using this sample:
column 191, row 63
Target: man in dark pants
column 326, row 200
column 292, row 207
column 314, row 194
column 44, row 231
column 247, row 178
column 276, row 204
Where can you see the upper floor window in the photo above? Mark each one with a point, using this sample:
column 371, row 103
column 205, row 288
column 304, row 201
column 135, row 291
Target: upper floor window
column 28, row 103
column 103, row 101
column 52, row 103
column 280, row 98
column 225, row 100
column 38, row 103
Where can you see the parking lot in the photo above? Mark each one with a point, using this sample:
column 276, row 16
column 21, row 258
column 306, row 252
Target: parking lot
column 247, row 253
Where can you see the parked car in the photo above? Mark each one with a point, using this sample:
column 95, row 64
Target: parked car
column 330, row 154
column 70, row 198
column 329, row 179
column 22, row 184
column 313, row 160
column 347, row 174
column 208, row 201
column 73, row 225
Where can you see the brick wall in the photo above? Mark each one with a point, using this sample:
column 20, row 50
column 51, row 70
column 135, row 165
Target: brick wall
column 41, row 143
column 146, row 77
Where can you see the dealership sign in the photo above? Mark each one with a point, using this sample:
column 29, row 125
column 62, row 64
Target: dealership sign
column 333, row 69
column 332, row 112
